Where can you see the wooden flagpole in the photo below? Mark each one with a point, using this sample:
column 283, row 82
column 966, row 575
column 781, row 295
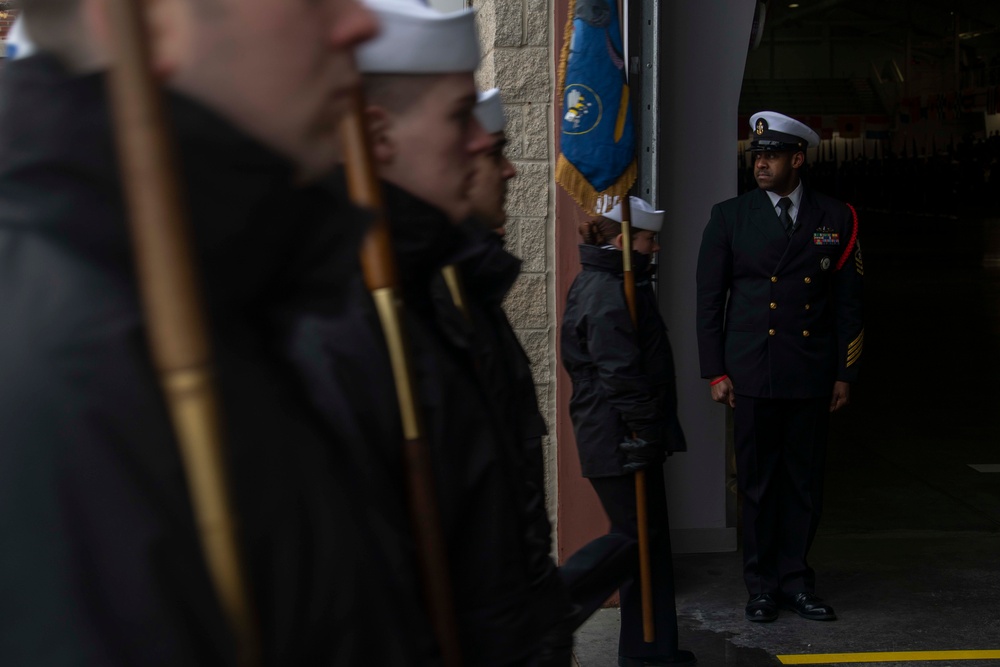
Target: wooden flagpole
column 642, row 515
column 382, row 280
column 174, row 314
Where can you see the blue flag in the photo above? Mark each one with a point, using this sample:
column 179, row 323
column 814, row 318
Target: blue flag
column 597, row 164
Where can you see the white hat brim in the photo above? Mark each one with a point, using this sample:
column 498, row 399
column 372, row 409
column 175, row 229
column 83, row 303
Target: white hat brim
column 644, row 216
column 415, row 39
column 489, row 111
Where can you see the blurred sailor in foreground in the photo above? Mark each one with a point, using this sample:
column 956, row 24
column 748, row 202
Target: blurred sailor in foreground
column 101, row 562
column 421, row 98
column 486, row 275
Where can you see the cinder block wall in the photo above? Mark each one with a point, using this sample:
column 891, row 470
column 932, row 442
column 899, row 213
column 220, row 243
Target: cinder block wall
column 517, row 58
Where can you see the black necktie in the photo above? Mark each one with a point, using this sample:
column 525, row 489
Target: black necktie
column 786, row 220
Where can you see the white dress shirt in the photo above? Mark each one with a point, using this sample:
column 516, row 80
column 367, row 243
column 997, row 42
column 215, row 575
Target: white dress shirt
column 793, row 210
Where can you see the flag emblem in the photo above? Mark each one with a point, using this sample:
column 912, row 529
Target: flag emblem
column 583, row 109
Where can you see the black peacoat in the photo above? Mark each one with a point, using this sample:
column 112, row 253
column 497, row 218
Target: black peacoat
column 782, row 318
column 487, row 275
column 507, row 598
column 101, row 562
column 623, row 377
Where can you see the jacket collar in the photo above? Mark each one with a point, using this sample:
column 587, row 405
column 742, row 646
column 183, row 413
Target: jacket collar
column 763, row 217
column 424, row 238
column 59, row 177
column 490, row 271
column 595, row 258
column 810, row 218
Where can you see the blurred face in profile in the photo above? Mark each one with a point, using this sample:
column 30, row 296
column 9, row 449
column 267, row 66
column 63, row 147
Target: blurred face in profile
column 488, row 190
column 429, row 146
column 283, row 71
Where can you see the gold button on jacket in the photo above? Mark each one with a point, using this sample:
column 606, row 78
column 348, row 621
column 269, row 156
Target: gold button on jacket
column 770, row 332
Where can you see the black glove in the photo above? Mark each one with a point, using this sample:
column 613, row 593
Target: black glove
column 640, row 454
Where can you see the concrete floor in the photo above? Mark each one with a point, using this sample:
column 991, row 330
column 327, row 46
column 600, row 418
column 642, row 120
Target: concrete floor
column 908, row 552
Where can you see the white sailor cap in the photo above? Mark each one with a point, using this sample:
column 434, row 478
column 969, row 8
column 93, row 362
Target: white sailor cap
column 774, row 131
column 416, row 39
column 489, row 111
column 644, row 216
column 18, row 44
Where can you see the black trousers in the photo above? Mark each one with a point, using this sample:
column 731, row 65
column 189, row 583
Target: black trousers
column 617, row 495
column 780, row 456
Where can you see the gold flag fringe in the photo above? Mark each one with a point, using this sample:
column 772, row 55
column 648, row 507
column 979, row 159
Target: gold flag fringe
column 580, row 189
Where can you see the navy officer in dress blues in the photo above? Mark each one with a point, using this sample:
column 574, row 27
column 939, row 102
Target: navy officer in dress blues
column 780, row 336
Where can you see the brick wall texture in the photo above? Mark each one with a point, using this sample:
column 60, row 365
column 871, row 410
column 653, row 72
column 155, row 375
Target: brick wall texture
column 7, row 16
column 517, row 58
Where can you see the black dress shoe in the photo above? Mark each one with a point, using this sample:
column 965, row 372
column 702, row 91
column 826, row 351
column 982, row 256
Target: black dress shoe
column 809, row 605
column 677, row 659
column 761, row 608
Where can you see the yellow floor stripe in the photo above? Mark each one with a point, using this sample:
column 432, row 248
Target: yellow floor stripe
column 887, row 656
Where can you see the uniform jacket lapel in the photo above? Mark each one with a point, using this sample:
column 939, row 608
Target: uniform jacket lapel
column 764, row 219
column 809, row 219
